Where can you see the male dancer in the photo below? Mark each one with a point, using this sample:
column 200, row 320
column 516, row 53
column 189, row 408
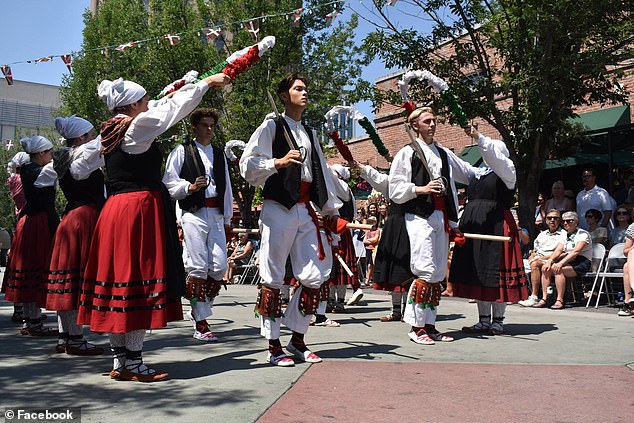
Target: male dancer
column 422, row 181
column 296, row 186
column 196, row 175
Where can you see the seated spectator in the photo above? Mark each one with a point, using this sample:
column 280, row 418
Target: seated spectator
column 598, row 233
column 559, row 200
column 628, row 274
column 543, row 248
column 231, row 245
column 574, row 258
column 240, row 256
column 540, row 212
column 623, row 218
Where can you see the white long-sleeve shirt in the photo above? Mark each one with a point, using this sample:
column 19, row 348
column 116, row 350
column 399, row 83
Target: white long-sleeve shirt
column 495, row 156
column 376, row 179
column 85, row 159
column 257, row 163
column 162, row 115
column 178, row 187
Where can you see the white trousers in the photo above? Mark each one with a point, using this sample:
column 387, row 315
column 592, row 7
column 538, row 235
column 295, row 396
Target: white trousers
column 429, row 246
column 417, row 316
column 205, row 249
column 290, row 232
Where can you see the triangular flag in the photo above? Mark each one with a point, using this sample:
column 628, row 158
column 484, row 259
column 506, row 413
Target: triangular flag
column 173, row 39
column 297, row 14
column 330, row 17
column 126, row 45
column 44, row 59
column 392, row 2
column 253, row 27
column 6, row 71
column 67, row 59
column 211, row 33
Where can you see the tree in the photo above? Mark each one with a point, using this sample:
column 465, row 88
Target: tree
column 326, row 56
column 523, row 66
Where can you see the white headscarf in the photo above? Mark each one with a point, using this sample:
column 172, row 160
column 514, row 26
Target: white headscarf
column 341, row 171
column 20, row 159
column 119, row 93
column 35, row 144
column 72, row 127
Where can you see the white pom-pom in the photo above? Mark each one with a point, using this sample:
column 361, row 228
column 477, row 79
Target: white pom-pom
column 230, row 146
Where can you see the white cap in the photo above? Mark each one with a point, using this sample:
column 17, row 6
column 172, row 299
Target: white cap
column 119, row 93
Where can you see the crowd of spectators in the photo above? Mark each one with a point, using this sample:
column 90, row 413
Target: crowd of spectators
column 593, row 216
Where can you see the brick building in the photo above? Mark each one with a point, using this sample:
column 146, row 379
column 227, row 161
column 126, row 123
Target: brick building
column 604, row 122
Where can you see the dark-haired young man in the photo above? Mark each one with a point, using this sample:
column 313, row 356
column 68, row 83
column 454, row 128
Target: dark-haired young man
column 293, row 178
column 196, row 175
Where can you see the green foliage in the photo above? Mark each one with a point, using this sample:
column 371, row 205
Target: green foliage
column 327, row 56
column 522, row 66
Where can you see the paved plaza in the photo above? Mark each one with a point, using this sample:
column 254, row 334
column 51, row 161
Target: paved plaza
column 575, row 365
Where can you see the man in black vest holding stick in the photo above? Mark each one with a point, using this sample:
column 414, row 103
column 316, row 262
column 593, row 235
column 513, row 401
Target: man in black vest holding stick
column 196, row 175
column 284, row 157
column 421, row 181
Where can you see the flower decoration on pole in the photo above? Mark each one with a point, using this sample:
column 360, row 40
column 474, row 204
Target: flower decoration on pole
column 233, row 66
column 439, row 85
column 229, row 146
column 365, row 124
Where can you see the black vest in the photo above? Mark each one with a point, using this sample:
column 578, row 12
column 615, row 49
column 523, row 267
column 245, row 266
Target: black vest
column 283, row 186
column 38, row 200
column 423, row 205
column 347, row 210
column 189, row 172
column 134, row 172
column 86, row 191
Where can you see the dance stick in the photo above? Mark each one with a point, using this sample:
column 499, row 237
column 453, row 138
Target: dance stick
column 348, row 226
column 245, row 231
column 344, row 265
column 487, row 237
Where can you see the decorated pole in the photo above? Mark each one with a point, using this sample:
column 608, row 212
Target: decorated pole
column 233, row 66
column 229, row 146
column 440, row 86
column 365, row 124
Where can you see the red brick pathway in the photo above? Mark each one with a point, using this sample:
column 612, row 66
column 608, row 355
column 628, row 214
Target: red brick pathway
column 337, row 391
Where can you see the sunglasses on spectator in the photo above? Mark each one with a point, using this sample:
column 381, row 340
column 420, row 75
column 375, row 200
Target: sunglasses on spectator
column 622, row 212
column 568, row 220
column 552, row 217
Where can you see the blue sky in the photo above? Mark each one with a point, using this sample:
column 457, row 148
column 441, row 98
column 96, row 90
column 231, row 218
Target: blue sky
column 32, row 29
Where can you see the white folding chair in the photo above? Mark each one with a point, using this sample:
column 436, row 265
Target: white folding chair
column 251, row 270
column 598, row 257
column 616, row 252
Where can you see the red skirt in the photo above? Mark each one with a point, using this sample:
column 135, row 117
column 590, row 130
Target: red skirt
column 350, row 258
column 30, row 257
column 71, row 246
column 125, row 285
column 513, row 285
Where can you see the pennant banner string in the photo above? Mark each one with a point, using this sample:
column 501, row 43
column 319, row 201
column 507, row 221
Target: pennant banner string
column 212, row 33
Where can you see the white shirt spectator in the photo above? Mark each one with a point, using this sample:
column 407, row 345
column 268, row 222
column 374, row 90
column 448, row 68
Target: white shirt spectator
column 547, row 241
column 594, row 198
column 576, row 237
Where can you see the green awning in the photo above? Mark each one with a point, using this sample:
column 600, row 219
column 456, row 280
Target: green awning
column 604, row 118
column 471, row 155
